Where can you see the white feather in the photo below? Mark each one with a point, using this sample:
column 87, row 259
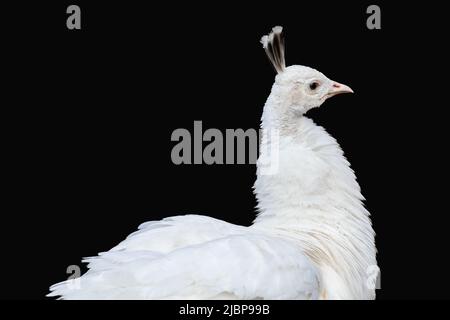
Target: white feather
column 190, row 257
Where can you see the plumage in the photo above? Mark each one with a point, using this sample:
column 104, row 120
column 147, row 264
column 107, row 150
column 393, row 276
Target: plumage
column 312, row 237
column 273, row 44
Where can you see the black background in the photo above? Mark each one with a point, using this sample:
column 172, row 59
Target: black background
column 88, row 116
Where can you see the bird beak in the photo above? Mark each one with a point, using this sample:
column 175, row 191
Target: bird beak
column 338, row 88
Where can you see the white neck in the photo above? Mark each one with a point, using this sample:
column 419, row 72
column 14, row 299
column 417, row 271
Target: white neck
column 313, row 198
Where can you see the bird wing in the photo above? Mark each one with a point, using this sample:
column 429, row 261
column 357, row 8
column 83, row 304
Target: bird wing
column 212, row 260
column 171, row 233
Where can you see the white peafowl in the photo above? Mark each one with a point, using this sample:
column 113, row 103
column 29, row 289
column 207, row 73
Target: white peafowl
column 312, row 237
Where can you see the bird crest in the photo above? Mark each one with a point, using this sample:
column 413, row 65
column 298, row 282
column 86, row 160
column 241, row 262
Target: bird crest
column 273, row 44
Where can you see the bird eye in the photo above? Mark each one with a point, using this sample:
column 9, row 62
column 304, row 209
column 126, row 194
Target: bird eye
column 314, row 85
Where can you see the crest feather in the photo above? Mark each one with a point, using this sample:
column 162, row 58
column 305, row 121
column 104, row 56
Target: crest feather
column 273, row 44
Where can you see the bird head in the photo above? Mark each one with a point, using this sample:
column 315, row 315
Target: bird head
column 301, row 88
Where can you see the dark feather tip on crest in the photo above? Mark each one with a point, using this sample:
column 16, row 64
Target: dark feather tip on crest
column 273, row 44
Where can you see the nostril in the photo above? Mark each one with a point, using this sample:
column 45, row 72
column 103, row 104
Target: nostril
column 335, row 85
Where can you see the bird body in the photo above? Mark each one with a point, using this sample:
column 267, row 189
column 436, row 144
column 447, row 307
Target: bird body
column 312, row 237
